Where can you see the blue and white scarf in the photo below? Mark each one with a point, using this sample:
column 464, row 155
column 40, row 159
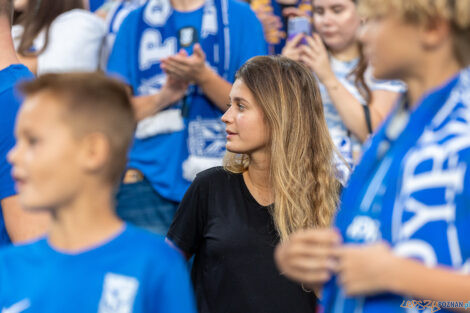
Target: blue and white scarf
column 407, row 188
column 157, row 40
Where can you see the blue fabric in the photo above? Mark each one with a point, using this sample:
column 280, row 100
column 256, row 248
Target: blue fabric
column 161, row 157
column 133, row 272
column 136, row 204
column 411, row 190
column 95, row 4
column 9, row 105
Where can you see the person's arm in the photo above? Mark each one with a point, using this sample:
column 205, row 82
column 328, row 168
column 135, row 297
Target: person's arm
column 171, row 92
column 374, row 269
column 351, row 111
column 21, row 225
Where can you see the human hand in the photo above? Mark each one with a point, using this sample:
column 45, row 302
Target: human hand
column 308, row 256
column 365, row 269
column 292, row 50
column 293, row 12
column 315, row 56
column 187, row 68
column 172, row 91
column 271, row 23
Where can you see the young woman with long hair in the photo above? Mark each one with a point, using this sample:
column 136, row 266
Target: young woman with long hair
column 278, row 177
column 355, row 103
column 59, row 36
column 405, row 213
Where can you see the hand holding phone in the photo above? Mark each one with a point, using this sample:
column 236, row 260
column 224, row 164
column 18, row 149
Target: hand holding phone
column 297, row 25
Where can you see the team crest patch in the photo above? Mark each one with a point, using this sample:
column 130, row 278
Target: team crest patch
column 119, row 293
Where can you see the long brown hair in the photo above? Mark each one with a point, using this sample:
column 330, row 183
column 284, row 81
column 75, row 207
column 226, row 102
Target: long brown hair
column 38, row 16
column 301, row 171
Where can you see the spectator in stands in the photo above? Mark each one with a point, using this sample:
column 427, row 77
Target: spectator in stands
column 15, row 224
column 404, row 216
column 59, row 36
column 73, row 133
column 278, row 177
column 355, row 103
column 180, row 58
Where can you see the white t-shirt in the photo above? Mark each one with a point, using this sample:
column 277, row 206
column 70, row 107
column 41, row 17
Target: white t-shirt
column 347, row 143
column 75, row 42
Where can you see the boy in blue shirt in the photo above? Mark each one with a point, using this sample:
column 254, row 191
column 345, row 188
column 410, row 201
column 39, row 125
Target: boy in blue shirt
column 73, row 132
column 15, row 224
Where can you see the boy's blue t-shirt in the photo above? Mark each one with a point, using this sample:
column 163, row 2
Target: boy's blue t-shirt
column 160, row 157
column 135, row 271
column 9, row 105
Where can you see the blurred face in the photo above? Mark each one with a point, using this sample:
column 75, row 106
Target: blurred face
column 20, row 5
column 246, row 129
column 391, row 46
column 336, row 21
column 45, row 158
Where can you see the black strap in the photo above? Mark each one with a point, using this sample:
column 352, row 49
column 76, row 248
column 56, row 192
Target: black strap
column 367, row 116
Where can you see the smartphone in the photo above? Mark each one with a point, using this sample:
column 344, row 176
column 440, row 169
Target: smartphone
column 297, row 25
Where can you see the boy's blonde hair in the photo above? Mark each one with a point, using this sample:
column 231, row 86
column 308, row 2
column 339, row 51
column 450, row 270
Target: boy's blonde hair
column 422, row 12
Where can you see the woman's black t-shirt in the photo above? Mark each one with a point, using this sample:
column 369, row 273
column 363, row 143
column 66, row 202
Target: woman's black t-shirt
column 233, row 239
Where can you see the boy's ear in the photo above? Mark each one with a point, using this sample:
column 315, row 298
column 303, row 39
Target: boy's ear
column 95, row 152
column 435, row 33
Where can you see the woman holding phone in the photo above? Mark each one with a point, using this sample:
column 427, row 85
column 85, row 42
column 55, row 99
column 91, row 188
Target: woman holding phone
column 355, row 103
column 404, row 216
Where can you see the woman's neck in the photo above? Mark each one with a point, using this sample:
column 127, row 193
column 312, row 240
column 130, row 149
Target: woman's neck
column 349, row 53
column 258, row 180
column 186, row 5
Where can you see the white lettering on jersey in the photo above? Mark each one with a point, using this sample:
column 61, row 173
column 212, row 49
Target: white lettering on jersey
column 153, row 50
column 18, row 307
column 157, row 12
column 119, row 293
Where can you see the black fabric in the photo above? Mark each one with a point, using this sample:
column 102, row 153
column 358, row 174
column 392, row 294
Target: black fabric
column 233, row 239
column 367, row 117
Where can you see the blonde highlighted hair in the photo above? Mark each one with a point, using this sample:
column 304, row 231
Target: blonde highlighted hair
column 302, row 173
column 422, row 12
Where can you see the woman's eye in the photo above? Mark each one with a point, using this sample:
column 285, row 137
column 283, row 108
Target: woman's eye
column 241, row 107
column 318, row 11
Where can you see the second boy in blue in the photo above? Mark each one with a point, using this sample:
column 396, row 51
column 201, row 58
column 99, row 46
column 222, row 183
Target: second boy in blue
column 73, row 132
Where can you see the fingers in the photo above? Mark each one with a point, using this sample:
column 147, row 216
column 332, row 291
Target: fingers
column 293, row 12
column 197, row 50
column 295, row 41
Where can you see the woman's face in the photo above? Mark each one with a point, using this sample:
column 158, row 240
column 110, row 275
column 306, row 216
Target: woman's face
column 336, row 21
column 245, row 126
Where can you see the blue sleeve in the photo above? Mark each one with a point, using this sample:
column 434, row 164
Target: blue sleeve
column 247, row 37
column 174, row 292
column 8, row 112
column 121, row 60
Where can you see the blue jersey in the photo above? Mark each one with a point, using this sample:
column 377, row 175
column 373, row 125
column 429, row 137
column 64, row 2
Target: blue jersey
column 185, row 143
column 95, row 4
column 133, row 272
column 9, row 104
column 412, row 190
